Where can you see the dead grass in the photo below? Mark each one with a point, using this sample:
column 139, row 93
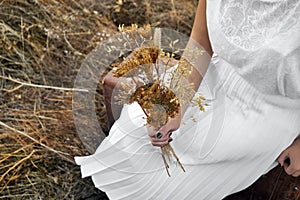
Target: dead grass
column 42, row 45
column 175, row 14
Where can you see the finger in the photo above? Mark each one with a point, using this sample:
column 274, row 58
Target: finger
column 160, row 136
column 289, row 169
column 282, row 157
column 166, row 130
column 296, row 174
column 287, row 161
column 160, row 144
column 155, row 140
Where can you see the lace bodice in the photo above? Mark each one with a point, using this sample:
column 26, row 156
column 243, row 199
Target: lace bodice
column 261, row 39
column 252, row 24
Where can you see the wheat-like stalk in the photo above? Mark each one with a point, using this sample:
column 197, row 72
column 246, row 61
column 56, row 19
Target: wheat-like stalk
column 159, row 90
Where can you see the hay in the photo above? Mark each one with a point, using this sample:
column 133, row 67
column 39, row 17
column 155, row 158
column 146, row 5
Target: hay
column 42, row 45
column 175, row 14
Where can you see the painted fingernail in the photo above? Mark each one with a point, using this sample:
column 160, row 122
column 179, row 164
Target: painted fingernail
column 170, row 134
column 287, row 161
column 170, row 140
column 159, row 135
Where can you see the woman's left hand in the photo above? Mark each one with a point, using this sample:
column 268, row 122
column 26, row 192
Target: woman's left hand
column 290, row 159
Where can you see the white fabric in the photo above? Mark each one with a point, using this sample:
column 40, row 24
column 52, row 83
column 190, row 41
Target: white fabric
column 261, row 39
column 253, row 87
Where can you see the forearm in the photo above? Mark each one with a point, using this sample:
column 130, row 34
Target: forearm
column 198, row 51
column 198, row 59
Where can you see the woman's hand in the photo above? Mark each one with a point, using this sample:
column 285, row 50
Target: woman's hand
column 290, row 159
column 162, row 136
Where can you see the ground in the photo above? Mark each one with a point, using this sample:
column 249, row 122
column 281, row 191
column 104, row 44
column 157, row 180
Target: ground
column 43, row 44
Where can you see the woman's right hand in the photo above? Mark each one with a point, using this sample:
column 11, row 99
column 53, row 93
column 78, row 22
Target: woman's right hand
column 290, row 159
column 162, row 136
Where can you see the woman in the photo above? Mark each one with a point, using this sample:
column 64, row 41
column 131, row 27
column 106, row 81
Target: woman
column 255, row 95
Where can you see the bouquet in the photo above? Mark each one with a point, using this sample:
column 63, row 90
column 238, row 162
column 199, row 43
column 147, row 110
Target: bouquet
column 157, row 81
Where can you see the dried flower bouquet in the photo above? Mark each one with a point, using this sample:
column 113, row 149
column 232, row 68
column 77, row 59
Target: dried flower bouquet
column 157, row 84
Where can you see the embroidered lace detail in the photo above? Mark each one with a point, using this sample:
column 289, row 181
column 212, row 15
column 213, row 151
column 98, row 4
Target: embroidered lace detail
column 249, row 24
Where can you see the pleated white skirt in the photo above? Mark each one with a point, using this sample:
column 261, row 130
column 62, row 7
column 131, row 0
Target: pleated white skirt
column 224, row 149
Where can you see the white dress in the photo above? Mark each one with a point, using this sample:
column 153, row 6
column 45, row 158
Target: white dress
column 253, row 85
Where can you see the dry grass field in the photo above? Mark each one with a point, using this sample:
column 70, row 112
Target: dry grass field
column 42, row 45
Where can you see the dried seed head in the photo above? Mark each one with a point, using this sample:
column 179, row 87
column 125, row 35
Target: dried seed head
column 158, row 102
column 140, row 56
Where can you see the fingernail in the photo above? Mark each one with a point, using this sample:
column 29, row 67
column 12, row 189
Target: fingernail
column 170, row 134
column 170, row 140
column 159, row 135
column 287, row 161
